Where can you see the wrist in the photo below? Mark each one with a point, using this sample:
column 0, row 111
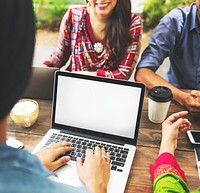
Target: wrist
column 168, row 147
column 180, row 97
column 97, row 188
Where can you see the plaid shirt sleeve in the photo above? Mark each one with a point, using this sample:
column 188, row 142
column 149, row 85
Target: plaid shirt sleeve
column 62, row 53
column 131, row 55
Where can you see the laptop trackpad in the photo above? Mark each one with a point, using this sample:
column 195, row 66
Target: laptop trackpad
column 68, row 175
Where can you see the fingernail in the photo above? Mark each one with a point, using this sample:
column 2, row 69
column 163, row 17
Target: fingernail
column 78, row 158
column 68, row 158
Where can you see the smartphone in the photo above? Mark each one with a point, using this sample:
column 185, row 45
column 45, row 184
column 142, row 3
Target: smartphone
column 194, row 136
column 12, row 142
column 197, row 154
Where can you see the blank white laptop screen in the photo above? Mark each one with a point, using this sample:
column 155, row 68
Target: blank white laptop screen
column 97, row 106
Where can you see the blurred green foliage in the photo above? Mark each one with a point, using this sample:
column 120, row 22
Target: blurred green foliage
column 50, row 12
column 154, row 10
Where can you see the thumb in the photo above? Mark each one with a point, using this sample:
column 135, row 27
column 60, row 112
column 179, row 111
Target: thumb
column 79, row 167
column 60, row 162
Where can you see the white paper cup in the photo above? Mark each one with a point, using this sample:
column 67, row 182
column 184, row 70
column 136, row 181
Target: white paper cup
column 159, row 99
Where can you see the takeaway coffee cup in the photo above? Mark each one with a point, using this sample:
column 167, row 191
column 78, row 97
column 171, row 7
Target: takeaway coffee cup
column 159, row 99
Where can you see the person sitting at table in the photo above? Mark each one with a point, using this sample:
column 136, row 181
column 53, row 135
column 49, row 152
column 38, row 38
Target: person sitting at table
column 166, row 174
column 102, row 38
column 177, row 36
column 20, row 171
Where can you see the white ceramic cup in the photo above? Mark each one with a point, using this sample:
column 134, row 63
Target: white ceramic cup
column 25, row 112
column 159, row 99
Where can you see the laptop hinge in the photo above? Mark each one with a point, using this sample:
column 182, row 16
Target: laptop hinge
column 102, row 138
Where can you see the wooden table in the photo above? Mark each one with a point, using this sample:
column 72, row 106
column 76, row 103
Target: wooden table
column 147, row 146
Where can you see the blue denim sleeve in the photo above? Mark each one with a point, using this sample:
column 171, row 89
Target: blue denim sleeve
column 161, row 43
column 22, row 172
column 25, row 182
column 61, row 188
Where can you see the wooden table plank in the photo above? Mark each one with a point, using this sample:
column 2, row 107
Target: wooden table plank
column 147, row 146
column 140, row 179
column 29, row 140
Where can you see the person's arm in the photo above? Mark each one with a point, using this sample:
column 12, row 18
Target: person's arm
column 172, row 127
column 190, row 99
column 151, row 79
column 131, row 54
column 62, row 52
column 161, row 45
column 94, row 172
column 166, row 173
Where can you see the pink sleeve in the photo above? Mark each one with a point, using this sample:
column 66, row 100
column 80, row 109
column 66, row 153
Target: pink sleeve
column 166, row 163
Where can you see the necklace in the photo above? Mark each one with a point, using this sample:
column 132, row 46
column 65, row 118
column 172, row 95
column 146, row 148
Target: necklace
column 98, row 47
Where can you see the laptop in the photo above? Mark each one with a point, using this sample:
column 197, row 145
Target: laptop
column 94, row 111
column 40, row 85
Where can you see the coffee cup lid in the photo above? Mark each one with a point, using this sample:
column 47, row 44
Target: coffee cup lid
column 160, row 94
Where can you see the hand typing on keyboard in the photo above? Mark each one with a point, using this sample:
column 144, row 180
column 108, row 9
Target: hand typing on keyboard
column 51, row 156
column 95, row 171
column 118, row 154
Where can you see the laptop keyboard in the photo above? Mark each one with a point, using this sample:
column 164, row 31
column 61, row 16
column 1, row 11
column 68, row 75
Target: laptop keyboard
column 118, row 154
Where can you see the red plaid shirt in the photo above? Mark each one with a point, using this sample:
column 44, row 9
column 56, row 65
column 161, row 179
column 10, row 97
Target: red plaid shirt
column 76, row 42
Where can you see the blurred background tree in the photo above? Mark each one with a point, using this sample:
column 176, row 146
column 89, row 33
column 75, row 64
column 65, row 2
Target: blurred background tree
column 49, row 13
column 154, row 10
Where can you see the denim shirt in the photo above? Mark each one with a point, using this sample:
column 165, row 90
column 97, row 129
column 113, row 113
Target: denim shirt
column 178, row 37
column 22, row 172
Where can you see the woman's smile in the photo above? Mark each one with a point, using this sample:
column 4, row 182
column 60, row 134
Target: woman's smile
column 102, row 5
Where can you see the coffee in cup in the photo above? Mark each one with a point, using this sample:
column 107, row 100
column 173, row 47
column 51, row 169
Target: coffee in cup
column 25, row 112
column 159, row 99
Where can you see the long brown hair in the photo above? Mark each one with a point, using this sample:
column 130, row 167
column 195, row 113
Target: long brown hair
column 117, row 33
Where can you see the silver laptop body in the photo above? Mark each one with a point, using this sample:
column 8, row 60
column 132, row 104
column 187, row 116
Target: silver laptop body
column 40, row 85
column 101, row 111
